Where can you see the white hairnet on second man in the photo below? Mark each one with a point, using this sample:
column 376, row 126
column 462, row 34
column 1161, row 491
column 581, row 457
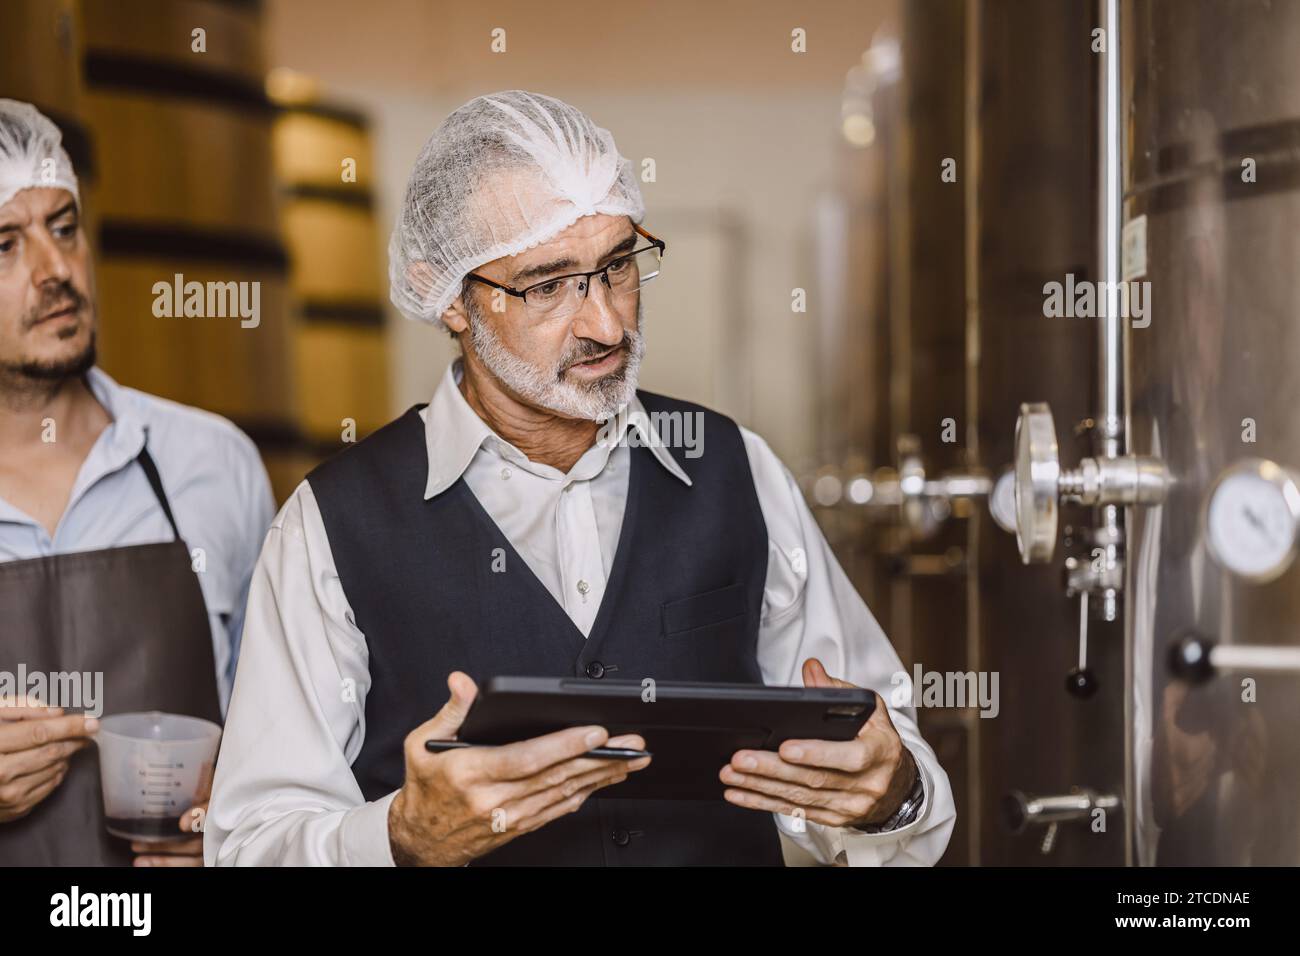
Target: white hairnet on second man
column 504, row 172
column 31, row 153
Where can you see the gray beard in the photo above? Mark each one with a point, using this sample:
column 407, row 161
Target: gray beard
column 546, row 388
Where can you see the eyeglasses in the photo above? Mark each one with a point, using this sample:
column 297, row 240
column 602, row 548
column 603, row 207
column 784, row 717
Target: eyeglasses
column 563, row 296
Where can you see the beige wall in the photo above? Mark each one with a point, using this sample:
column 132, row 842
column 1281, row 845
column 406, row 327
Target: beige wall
column 743, row 132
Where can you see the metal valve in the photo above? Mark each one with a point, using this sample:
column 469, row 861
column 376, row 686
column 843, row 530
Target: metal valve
column 920, row 503
column 1041, row 482
column 1020, row 811
column 926, row 502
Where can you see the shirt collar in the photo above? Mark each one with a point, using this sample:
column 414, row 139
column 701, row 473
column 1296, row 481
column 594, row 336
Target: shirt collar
column 125, row 436
column 636, row 417
column 453, row 435
column 117, row 446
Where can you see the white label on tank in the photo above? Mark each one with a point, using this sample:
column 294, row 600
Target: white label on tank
column 1133, row 255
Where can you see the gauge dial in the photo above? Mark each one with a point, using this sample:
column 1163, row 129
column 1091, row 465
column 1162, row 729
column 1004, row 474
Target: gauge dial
column 1252, row 519
column 1002, row 501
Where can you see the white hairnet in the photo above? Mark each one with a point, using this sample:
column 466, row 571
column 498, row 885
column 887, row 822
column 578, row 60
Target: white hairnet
column 31, row 153
column 503, row 173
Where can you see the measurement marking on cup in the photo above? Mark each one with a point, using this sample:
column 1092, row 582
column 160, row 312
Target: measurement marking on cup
column 152, row 776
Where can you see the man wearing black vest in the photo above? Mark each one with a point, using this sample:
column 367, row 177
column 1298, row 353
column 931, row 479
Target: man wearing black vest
column 541, row 516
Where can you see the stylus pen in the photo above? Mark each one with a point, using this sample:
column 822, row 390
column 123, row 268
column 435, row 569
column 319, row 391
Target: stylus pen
column 602, row 753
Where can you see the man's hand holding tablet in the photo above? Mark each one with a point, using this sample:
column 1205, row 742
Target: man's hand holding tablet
column 836, row 782
column 459, row 805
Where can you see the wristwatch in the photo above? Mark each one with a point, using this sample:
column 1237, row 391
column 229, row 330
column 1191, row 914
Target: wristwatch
column 907, row 810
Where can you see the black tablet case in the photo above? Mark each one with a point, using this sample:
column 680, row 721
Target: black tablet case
column 691, row 729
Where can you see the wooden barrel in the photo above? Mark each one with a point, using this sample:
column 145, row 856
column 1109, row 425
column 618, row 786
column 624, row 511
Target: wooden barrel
column 187, row 188
column 40, row 63
column 324, row 160
column 40, row 55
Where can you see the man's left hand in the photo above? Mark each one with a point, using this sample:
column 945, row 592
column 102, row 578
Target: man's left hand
column 837, row 783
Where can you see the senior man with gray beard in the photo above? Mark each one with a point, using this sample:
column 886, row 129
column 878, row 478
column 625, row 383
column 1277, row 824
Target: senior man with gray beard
column 528, row 521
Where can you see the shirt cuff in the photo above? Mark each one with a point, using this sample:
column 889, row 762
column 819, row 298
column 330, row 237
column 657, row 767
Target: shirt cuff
column 365, row 834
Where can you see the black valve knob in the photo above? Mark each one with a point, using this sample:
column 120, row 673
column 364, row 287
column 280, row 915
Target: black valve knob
column 1189, row 659
column 1081, row 682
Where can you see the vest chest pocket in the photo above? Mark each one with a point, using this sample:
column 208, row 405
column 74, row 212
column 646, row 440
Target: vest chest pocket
column 684, row 617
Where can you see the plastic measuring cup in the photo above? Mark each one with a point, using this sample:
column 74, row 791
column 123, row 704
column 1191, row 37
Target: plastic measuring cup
column 151, row 766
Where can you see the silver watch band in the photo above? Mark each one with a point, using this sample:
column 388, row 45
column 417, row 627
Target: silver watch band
column 907, row 810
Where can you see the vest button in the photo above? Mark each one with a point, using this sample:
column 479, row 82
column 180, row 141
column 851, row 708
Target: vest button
column 595, row 670
column 621, row 837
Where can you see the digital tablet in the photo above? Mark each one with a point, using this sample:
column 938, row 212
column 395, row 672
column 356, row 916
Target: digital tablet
column 691, row 729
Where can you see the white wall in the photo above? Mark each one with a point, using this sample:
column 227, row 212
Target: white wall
column 743, row 133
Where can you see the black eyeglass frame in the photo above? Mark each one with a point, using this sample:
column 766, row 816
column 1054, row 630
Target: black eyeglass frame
column 655, row 243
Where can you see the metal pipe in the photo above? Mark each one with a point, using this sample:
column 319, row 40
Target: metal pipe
column 1110, row 421
column 1198, row 659
column 1022, row 810
column 1112, row 416
column 1280, row 659
column 1110, row 367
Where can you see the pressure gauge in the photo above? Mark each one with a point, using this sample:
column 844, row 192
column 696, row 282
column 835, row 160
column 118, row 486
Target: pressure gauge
column 1252, row 519
column 1038, row 471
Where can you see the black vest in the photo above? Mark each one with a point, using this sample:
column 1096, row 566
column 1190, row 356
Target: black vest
column 682, row 604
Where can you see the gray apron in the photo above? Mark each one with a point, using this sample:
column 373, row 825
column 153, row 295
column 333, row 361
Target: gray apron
column 137, row 615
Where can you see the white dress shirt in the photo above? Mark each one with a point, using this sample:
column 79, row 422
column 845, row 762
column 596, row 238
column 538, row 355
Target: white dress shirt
column 284, row 791
column 216, row 485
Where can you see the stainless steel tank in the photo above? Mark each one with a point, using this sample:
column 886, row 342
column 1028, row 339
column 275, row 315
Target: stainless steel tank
column 891, row 249
column 1213, row 210
column 853, row 251
column 1032, row 96
column 929, row 622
